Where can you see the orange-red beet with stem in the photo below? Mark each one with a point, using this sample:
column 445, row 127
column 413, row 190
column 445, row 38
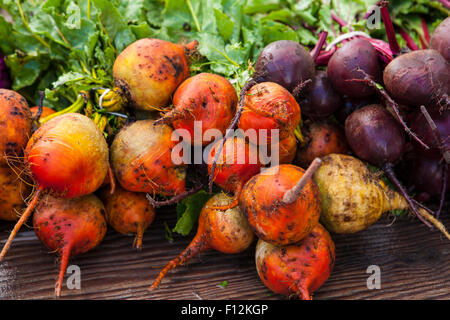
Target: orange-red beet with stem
column 15, row 124
column 226, row 231
column 298, row 269
column 238, row 161
column 273, row 218
column 128, row 212
column 69, row 227
column 268, row 105
column 67, row 156
column 141, row 158
column 208, row 98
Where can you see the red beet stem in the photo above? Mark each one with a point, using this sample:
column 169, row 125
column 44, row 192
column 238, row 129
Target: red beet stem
column 426, row 32
column 318, row 48
column 339, row 21
column 198, row 245
column 390, row 32
column 21, row 221
column 63, row 267
column 292, row 195
column 409, row 41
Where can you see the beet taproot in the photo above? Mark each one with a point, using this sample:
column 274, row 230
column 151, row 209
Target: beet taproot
column 15, row 125
column 149, row 71
column 207, row 98
column 141, row 158
column 69, row 227
column 128, row 212
column 226, row 231
column 299, row 269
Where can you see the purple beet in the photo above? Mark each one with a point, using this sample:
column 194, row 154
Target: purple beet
column 440, row 40
column 321, row 101
column 344, row 66
column 286, row 63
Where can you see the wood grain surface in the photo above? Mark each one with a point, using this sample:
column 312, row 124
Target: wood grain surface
column 414, row 263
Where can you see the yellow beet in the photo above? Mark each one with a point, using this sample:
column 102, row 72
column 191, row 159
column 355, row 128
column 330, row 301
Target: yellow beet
column 148, row 72
column 13, row 191
column 353, row 198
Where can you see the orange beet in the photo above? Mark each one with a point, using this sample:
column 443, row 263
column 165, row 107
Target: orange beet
column 69, row 227
column 46, row 111
column 271, row 217
column 67, row 156
column 148, row 72
column 13, row 191
column 226, row 231
column 323, row 138
column 206, row 97
column 141, row 158
column 287, row 149
column 237, row 162
column 15, row 125
column 128, row 212
column 268, row 105
column 298, row 269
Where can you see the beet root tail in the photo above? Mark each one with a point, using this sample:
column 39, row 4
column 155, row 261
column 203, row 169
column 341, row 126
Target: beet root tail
column 198, row 244
column 62, row 269
column 139, row 236
column 23, row 218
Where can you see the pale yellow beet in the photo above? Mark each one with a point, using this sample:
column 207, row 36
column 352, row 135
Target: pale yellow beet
column 353, row 198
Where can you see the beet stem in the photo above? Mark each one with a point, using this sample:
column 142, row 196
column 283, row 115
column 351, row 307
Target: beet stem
column 316, row 50
column 393, row 104
column 250, row 83
column 390, row 32
column 21, row 221
column 390, row 173
column 174, row 199
column 339, row 21
column 409, row 41
column 436, row 134
column 62, row 269
column 292, row 195
column 198, row 244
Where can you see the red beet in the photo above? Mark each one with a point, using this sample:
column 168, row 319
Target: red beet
column 344, row 66
column 321, row 101
column 286, row 63
column 440, row 39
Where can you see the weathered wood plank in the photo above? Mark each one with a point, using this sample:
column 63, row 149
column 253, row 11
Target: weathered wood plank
column 414, row 262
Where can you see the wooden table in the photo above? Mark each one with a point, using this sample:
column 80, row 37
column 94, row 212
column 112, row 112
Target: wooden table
column 414, row 263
